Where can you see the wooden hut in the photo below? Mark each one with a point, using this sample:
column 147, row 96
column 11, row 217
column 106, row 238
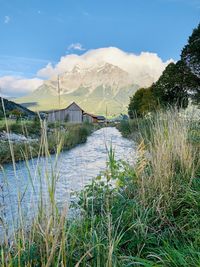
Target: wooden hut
column 73, row 114
column 87, row 117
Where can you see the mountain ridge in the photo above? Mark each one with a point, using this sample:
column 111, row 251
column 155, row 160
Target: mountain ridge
column 96, row 88
column 11, row 105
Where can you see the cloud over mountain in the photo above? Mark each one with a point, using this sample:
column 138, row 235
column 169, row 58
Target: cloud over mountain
column 138, row 66
column 143, row 68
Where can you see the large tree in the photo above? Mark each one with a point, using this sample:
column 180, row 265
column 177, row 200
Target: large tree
column 175, row 85
column 191, row 52
column 190, row 56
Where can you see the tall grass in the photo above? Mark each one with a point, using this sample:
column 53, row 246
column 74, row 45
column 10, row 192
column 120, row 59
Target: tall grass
column 142, row 215
column 70, row 134
column 39, row 240
column 171, row 160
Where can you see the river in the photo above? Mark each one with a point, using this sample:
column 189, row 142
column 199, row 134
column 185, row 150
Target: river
column 72, row 170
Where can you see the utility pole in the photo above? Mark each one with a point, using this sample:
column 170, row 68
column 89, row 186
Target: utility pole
column 59, row 90
column 59, row 97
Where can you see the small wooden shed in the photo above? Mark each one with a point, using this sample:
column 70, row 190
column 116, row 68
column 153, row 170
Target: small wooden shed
column 87, row 117
column 73, row 114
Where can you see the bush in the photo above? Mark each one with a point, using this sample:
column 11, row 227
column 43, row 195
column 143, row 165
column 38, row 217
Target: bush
column 142, row 102
column 124, row 128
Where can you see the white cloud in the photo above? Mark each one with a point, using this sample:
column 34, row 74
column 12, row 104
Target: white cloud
column 16, row 86
column 140, row 67
column 6, row 19
column 76, row 46
column 143, row 68
column 47, row 71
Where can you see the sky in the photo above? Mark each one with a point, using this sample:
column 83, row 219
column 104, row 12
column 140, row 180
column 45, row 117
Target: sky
column 36, row 37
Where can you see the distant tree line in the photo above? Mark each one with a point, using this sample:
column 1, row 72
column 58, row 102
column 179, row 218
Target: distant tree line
column 15, row 113
column 179, row 83
column 11, row 109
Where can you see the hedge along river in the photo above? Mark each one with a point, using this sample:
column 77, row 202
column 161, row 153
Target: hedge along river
column 71, row 171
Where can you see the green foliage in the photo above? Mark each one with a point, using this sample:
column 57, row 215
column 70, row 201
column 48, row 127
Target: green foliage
column 172, row 87
column 181, row 81
column 191, row 52
column 16, row 112
column 124, row 128
column 191, row 58
column 27, row 128
column 137, row 127
column 141, row 103
column 1, row 115
column 194, row 133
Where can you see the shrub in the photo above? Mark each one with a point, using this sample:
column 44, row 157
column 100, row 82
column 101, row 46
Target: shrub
column 142, row 102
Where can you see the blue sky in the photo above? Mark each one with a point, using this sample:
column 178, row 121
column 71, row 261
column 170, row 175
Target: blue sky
column 33, row 32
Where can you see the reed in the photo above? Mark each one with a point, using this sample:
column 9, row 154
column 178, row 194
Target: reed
column 171, row 160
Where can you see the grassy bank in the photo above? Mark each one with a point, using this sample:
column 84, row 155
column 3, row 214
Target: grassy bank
column 141, row 128
column 150, row 218
column 69, row 134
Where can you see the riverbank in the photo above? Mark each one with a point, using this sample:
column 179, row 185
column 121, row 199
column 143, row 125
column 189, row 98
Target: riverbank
column 139, row 129
column 150, row 218
column 26, row 140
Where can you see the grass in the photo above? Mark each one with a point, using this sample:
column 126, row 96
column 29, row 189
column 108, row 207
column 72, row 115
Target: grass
column 3, row 123
column 29, row 128
column 151, row 217
column 70, row 134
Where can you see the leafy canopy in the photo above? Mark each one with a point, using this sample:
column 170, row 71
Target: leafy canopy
column 142, row 102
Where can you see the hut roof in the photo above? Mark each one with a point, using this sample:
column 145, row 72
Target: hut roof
column 89, row 114
column 55, row 110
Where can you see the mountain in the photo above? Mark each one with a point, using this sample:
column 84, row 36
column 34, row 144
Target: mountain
column 10, row 106
column 97, row 89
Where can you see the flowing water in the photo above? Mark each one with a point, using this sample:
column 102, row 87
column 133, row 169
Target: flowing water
column 72, row 170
